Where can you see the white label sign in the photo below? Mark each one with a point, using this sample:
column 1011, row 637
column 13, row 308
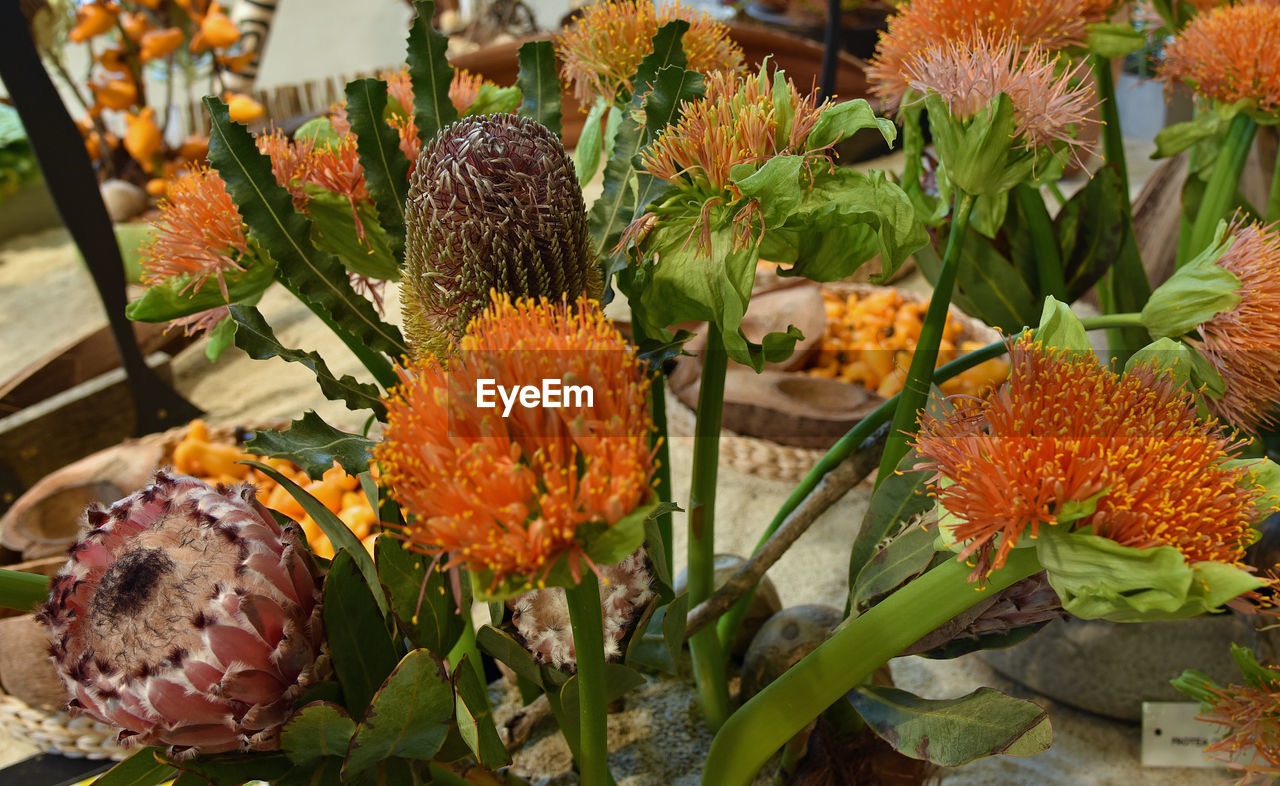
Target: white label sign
column 1172, row 737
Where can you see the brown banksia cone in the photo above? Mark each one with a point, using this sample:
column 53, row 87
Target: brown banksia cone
column 494, row 204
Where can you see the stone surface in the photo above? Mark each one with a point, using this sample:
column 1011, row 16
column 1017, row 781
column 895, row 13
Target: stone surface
column 782, row 641
column 123, row 200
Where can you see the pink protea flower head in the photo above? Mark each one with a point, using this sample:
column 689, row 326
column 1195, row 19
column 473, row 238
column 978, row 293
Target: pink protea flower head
column 542, row 617
column 1243, row 342
column 187, row 617
column 1046, row 105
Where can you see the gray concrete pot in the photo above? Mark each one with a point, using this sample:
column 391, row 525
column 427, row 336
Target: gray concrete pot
column 1111, row 668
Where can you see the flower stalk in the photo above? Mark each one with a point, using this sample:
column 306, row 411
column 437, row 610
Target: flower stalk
column 1273, row 196
column 588, row 637
column 1048, row 259
column 915, row 391
column 708, row 657
column 850, row 656
column 1219, row 194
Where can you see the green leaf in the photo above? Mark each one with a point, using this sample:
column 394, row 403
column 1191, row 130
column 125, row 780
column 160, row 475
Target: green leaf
column 493, row 100
column 1091, row 231
column 313, row 445
column 902, row 559
column 319, row 280
column 319, row 131
column 407, row 716
column 386, row 169
column 140, row 769
column 229, row 768
column 980, row 154
column 343, row 539
column 1196, row 293
column 668, row 50
column 423, row 607
column 510, row 652
column 586, row 156
column 1197, row 685
column 475, row 718
column 1115, row 40
column 1178, row 137
column 334, row 231
column 220, row 338
column 1255, row 674
column 315, row 731
column 658, row 639
column 843, row 120
column 989, row 286
column 1172, row 357
column 613, row 209
column 952, row 732
column 621, row 540
column 899, row 497
column 430, row 73
column 168, row 300
column 1097, row 578
column 539, row 83
column 130, row 236
column 362, row 650
column 322, row 772
column 256, row 338
column 1060, row 328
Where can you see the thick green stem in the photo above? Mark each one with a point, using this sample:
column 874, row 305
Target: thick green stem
column 915, row 391
column 466, row 648
column 1219, row 194
column 1273, row 196
column 842, row 662
column 1043, row 242
column 704, row 646
column 659, row 407
column 588, row 644
column 22, row 591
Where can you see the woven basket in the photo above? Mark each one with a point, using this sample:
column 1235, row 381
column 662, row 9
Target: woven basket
column 768, row 459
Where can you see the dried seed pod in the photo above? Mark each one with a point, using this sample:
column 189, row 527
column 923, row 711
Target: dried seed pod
column 187, row 617
column 494, row 203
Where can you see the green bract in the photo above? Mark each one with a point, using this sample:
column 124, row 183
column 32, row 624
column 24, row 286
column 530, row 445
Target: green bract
column 1197, row 292
column 1097, row 578
column 1060, row 327
column 980, row 155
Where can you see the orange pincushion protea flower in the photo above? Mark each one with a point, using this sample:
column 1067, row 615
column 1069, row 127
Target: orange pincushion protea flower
column 602, row 49
column 1065, row 430
column 735, row 122
column 199, row 234
column 509, row 494
column 926, row 23
column 1045, row 105
column 1243, row 343
column 1228, row 55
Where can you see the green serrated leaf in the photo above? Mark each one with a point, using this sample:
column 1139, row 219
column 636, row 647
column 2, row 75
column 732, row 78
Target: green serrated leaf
column 319, row 280
column 475, row 718
column 140, row 769
column 905, row 557
column 422, row 605
column 386, row 169
column 663, row 105
column 313, row 445
column 539, row 84
column 342, row 538
column 611, row 212
column 257, row 339
column 407, row 716
column 362, row 650
column 668, row 50
column 165, row 301
column 952, row 732
column 315, row 731
column 430, row 73
column 334, row 231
